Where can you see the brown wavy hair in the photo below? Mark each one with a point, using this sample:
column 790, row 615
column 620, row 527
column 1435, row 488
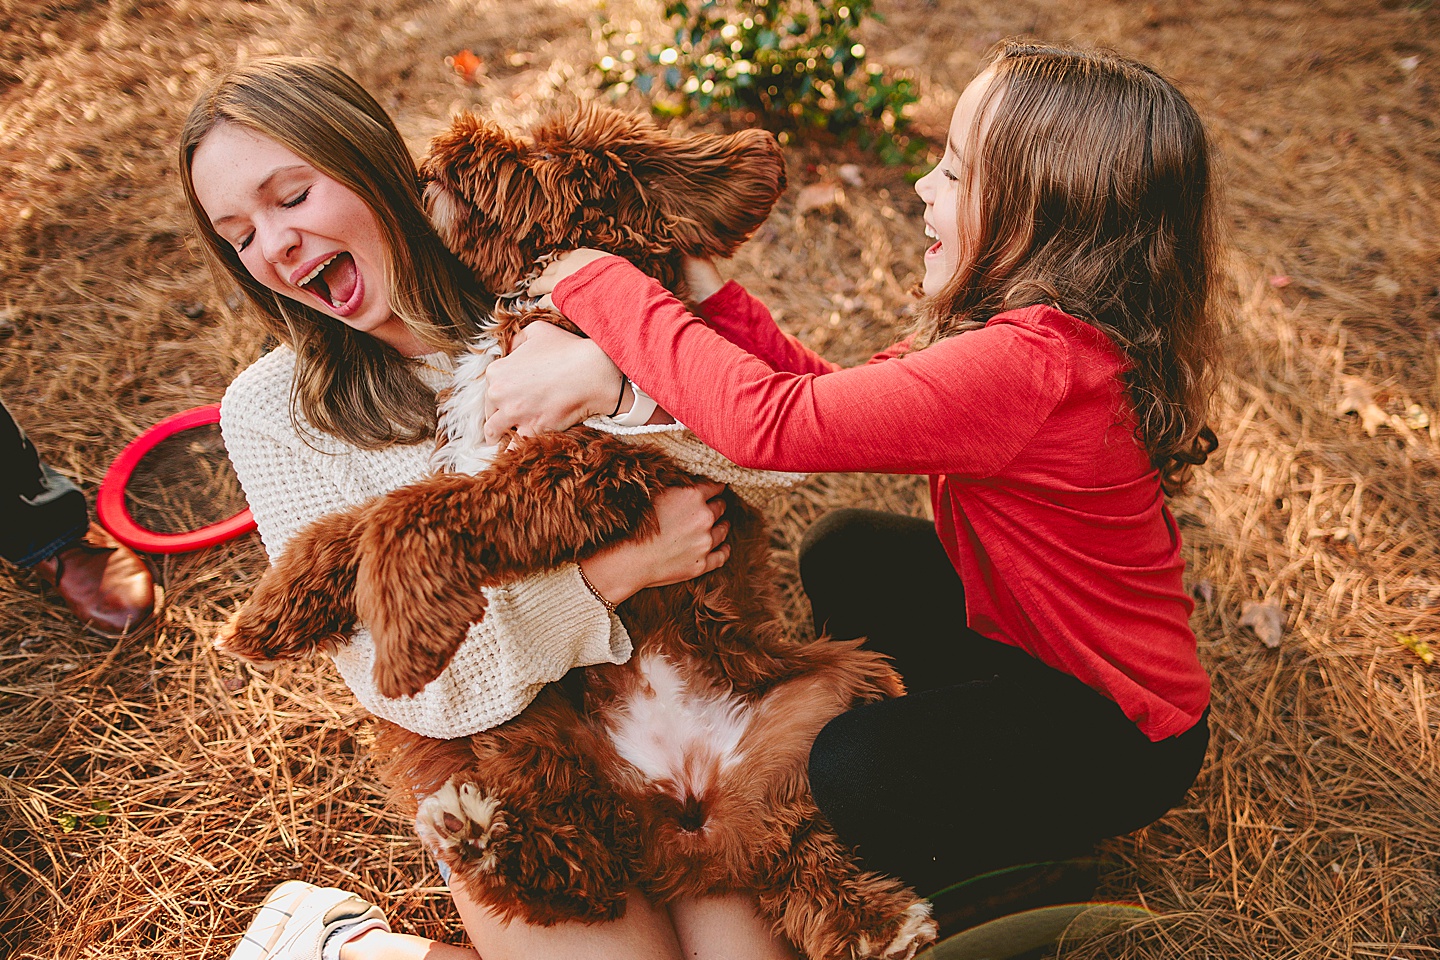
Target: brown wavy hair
column 1095, row 195
column 347, row 383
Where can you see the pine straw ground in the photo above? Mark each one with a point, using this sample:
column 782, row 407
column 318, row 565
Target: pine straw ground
column 1314, row 829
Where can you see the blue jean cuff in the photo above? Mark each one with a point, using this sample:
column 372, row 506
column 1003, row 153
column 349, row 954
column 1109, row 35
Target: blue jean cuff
column 49, row 550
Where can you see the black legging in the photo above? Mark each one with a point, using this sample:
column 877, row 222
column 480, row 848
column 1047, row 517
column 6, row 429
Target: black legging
column 992, row 759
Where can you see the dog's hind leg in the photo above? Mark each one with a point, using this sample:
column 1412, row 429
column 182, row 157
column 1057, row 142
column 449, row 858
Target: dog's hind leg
column 529, row 825
column 304, row 600
column 833, row 910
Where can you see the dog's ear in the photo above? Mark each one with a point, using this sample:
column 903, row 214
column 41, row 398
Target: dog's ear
column 411, row 589
column 426, row 550
column 486, row 202
column 700, row 195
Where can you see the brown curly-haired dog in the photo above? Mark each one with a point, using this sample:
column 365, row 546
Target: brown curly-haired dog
column 683, row 771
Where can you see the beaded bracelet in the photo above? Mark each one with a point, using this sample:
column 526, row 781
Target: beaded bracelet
column 609, row 607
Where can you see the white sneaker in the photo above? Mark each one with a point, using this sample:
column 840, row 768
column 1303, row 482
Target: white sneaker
column 296, row 927
column 270, row 919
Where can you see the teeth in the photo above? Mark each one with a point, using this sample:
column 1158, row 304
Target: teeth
column 930, row 232
column 316, row 272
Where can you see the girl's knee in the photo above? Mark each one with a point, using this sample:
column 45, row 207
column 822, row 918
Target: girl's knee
column 834, row 570
column 830, row 543
column 842, row 772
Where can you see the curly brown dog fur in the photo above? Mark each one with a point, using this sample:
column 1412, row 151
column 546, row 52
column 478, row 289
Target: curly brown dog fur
column 596, row 178
column 683, row 771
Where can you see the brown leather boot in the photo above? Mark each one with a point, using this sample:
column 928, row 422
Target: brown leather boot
column 103, row 582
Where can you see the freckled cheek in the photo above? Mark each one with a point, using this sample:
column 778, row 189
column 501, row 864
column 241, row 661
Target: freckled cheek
column 255, row 266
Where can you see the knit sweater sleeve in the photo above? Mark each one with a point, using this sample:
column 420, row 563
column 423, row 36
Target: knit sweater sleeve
column 269, row 456
column 534, row 630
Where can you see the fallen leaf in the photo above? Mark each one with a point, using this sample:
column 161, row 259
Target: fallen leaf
column 1413, row 643
column 1203, row 590
column 1357, row 396
column 1280, row 281
column 1416, row 417
column 850, row 173
column 818, row 196
column 1266, row 619
column 466, row 65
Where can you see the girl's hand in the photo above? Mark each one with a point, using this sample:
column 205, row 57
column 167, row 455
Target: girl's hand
column 549, row 381
column 701, row 277
column 563, row 266
column 690, row 542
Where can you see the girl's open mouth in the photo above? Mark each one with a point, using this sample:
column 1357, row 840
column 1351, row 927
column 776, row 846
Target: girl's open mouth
column 934, row 247
column 336, row 283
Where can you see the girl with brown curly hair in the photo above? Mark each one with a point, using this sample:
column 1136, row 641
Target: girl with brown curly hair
column 1055, row 391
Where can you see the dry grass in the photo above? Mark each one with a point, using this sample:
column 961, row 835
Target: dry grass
column 1314, row 830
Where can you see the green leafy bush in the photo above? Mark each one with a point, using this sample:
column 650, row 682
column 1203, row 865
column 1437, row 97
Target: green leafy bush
column 797, row 63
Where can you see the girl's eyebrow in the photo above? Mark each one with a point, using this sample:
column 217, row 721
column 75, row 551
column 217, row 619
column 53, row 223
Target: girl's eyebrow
column 262, row 188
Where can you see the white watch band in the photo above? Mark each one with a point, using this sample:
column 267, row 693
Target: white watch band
column 640, row 411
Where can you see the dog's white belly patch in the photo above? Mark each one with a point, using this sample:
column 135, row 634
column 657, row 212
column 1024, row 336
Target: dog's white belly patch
column 679, row 738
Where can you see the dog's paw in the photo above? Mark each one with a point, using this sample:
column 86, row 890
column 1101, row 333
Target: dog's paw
column 232, row 641
column 458, row 825
column 915, row 930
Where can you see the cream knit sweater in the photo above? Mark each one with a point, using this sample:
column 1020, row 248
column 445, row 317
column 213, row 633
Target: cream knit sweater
column 534, row 630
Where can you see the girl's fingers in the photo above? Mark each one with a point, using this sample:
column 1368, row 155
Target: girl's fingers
column 709, row 489
column 496, row 429
column 493, row 429
column 718, row 533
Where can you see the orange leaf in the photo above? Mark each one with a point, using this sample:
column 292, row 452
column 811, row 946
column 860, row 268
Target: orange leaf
column 466, row 64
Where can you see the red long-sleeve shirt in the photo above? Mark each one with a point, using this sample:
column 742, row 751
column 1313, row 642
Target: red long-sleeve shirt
column 1044, row 500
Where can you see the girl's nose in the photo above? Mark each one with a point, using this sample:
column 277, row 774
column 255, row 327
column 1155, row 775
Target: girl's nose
column 922, row 186
column 278, row 243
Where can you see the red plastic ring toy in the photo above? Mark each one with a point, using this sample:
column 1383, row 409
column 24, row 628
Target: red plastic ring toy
column 115, row 517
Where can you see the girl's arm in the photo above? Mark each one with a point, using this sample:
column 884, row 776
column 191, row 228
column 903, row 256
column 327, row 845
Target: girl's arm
column 737, row 316
column 963, row 406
